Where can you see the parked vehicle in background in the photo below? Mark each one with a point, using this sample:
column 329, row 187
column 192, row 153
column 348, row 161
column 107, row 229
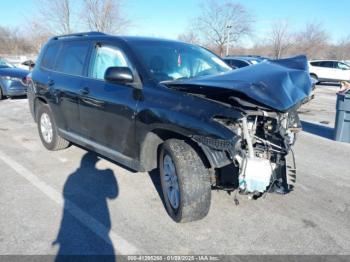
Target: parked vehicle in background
column 329, row 71
column 12, row 80
column 29, row 63
column 242, row 61
column 159, row 104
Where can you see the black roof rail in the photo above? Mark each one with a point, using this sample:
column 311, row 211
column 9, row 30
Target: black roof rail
column 79, row 35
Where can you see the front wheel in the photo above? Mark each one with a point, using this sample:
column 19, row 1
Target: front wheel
column 48, row 130
column 185, row 182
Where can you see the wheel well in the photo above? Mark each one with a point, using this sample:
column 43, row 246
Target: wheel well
column 37, row 102
column 313, row 74
column 151, row 145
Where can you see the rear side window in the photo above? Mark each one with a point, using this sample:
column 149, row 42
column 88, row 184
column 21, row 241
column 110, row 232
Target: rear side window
column 72, row 58
column 315, row 63
column 50, row 56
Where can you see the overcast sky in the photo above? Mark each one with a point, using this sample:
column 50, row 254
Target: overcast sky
column 169, row 18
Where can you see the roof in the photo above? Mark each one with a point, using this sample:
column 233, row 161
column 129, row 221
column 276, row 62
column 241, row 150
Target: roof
column 100, row 35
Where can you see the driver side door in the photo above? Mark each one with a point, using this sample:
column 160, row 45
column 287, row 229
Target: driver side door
column 342, row 71
column 107, row 109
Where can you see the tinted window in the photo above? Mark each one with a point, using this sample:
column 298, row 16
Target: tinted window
column 72, row 58
column 239, row 63
column 315, row 63
column 328, row 64
column 105, row 57
column 50, row 56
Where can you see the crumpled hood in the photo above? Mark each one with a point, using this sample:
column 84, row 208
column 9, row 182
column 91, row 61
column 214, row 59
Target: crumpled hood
column 277, row 84
column 14, row 72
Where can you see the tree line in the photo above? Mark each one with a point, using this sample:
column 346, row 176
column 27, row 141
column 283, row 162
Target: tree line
column 221, row 26
column 59, row 17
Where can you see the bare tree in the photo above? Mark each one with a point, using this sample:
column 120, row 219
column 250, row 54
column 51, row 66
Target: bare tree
column 189, row 37
column 280, row 38
column 12, row 41
column 56, row 15
column 37, row 33
column 222, row 23
column 104, row 16
column 312, row 41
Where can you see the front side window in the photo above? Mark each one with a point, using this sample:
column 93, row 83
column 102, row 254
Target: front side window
column 166, row 61
column 328, row 64
column 72, row 58
column 342, row 66
column 105, row 57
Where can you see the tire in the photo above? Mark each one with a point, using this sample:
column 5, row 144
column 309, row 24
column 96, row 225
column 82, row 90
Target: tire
column 313, row 76
column 1, row 94
column 56, row 142
column 194, row 187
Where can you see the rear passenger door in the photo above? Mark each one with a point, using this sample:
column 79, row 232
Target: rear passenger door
column 67, row 80
column 107, row 109
column 327, row 70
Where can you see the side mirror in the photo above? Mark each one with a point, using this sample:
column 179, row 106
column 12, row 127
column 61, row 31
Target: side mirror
column 120, row 75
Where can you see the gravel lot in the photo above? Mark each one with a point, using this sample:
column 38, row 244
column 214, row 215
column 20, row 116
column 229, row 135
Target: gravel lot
column 61, row 203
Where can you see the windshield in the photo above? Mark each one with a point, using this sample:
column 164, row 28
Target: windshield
column 4, row 64
column 167, row 61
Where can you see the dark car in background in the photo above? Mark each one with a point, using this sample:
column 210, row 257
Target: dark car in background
column 12, row 80
column 153, row 104
column 243, row 61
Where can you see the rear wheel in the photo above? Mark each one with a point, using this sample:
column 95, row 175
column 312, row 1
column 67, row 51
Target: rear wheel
column 48, row 130
column 185, row 182
column 314, row 77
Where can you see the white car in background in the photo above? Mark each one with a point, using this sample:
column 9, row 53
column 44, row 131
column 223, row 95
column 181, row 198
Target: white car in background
column 329, row 71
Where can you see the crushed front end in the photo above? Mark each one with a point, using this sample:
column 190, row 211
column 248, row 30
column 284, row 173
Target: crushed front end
column 267, row 96
column 261, row 157
column 255, row 160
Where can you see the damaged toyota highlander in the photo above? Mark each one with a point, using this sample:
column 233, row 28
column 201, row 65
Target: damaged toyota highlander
column 153, row 104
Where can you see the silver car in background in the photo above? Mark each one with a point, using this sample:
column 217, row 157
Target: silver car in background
column 12, row 80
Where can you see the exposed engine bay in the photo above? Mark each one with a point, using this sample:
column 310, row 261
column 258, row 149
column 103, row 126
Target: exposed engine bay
column 259, row 156
column 266, row 96
column 266, row 143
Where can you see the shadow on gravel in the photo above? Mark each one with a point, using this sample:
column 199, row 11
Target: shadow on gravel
column 318, row 130
column 85, row 193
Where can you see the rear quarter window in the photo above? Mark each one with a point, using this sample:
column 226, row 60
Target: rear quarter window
column 72, row 58
column 50, row 56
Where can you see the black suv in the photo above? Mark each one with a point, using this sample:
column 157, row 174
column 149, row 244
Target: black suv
column 159, row 104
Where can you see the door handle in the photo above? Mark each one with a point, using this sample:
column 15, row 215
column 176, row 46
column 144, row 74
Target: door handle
column 84, row 91
column 51, row 83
